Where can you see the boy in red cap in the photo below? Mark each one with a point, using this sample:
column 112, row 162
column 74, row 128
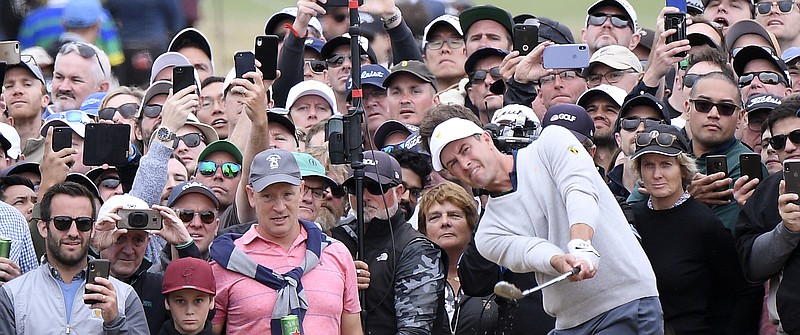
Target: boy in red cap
column 189, row 289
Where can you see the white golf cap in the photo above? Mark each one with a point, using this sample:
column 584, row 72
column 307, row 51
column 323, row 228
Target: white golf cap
column 616, row 94
column 451, row 130
column 446, row 19
column 311, row 87
column 165, row 60
column 12, row 136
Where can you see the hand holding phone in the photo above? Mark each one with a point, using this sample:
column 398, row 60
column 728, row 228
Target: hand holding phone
column 182, row 77
column 676, row 21
column 244, row 62
column 95, row 268
column 566, row 56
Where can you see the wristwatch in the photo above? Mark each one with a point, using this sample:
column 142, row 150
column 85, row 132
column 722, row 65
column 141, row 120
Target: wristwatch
column 165, row 135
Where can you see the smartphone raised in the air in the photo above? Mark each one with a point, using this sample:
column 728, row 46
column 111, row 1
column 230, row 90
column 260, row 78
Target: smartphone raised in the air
column 566, row 56
column 266, row 51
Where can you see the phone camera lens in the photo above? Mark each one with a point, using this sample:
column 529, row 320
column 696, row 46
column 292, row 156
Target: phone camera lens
column 582, row 47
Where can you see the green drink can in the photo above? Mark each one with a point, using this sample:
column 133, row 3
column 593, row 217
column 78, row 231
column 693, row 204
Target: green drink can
column 290, row 325
column 5, row 247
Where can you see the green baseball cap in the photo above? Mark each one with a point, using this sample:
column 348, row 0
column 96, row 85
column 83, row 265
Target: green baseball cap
column 311, row 167
column 221, row 145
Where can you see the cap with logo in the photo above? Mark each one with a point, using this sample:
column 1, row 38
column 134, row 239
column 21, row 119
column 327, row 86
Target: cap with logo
column 675, row 148
column 379, row 167
column 644, row 99
column 390, row 127
column 613, row 93
column 371, row 74
column 311, row 167
column 446, row 20
column 92, row 103
column 331, row 45
column 191, row 186
column 621, row 4
column 762, row 102
column 647, row 40
column 745, row 27
column 273, row 166
column 753, row 52
column 414, row 67
column 195, row 37
column 81, row 13
column 616, row 57
column 122, row 201
column 74, row 119
column 311, row 87
column 288, row 13
column 189, row 273
column 483, row 53
column 572, row 117
column 486, row 12
column 449, row 131
column 695, row 7
column 314, row 44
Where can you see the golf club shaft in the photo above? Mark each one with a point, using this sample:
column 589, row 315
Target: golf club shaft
column 571, row 273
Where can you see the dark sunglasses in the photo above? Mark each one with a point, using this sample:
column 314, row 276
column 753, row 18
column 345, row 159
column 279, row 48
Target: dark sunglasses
column 337, row 60
column 768, row 78
column 764, row 8
column 339, row 18
column 704, row 106
column 597, row 19
column 229, row 169
column 317, row 66
column 736, row 50
column 479, row 76
column 152, row 111
column 452, row 43
column 127, row 111
column 661, row 139
column 372, row 187
column 111, row 183
column 632, row 123
column 84, row 50
column 187, row 215
column 64, row 223
column 191, row 139
column 778, row 142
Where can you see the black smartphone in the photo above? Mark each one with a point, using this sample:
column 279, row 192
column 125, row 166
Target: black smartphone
column 338, row 3
column 2, row 72
column 244, row 62
column 716, row 163
column 750, row 165
column 62, row 138
column 106, row 144
column 96, row 268
column 182, row 77
column 526, row 37
column 791, row 176
column 676, row 21
column 267, row 54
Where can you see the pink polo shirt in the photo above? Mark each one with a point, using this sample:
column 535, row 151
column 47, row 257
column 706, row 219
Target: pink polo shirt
column 245, row 305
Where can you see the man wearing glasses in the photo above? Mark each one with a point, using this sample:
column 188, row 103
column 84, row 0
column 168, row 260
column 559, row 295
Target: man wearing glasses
column 219, row 167
column 613, row 65
column 35, row 302
column 315, row 186
column 80, row 70
column 483, row 69
column 761, row 72
column 443, row 50
column 611, row 22
column 25, row 94
column 782, row 19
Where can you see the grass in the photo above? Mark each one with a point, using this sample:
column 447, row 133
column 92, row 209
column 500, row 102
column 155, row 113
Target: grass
column 233, row 24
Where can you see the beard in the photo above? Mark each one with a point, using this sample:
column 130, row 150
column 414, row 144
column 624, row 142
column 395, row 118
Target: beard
column 407, row 209
column 371, row 213
column 328, row 217
column 54, row 246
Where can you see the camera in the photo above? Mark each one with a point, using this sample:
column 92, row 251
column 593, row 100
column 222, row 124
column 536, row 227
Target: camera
column 513, row 127
column 139, row 219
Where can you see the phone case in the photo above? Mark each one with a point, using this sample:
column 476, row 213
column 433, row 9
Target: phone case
column 266, row 51
column 62, row 138
column 9, row 52
column 716, row 163
column 182, row 77
column 566, row 56
column 96, row 268
column 676, row 21
column 526, row 37
column 791, row 176
column 244, row 62
column 106, row 144
column 750, row 166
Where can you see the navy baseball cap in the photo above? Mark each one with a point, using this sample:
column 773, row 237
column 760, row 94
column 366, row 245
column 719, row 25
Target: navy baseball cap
column 371, row 74
column 472, row 60
column 653, row 146
column 572, row 117
column 191, row 186
column 762, row 102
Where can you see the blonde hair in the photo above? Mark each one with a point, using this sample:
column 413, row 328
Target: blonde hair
column 686, row 162
column 447, row 192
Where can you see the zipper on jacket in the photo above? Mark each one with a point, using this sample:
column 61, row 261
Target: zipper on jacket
column 68, row 329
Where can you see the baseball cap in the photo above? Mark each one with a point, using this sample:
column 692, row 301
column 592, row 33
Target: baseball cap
column 209, row 134
column 311, row 87
column 472, row 60
column 80, row 178
column 96, row 172
column 752, row 52
column 552, row 30
column 371, row 74
column 616, row 57
column 572, row 117
column 74, row 119
column 390, row 127
column 314, row 44
column 81, row 13
column 616, row 94
column 221, row 145
column 311, row 167
column 92, row 103
column 156, row 88
column 288, row 13
column 790, row 55
column 760, row 102
column 20, row 168
column 644, row 99
column 9, row 138
column 371, row 25
column 695, row 7
column 621, row 4
column 170, row 58
column 486, row 12
column 647, row 38
column 379, row 167
column 189, row 272
column 413, row 67
column 675, row 148
column 197, row 38
column 446, row 132
column 32, row 67
column 123, row 201
column 191, row 186
column 745, row 27
column 334, row 43
column 280, row 116
column 273, row 166
column 451, row 21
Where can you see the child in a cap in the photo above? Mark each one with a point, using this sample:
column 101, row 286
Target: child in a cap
column 189, row 290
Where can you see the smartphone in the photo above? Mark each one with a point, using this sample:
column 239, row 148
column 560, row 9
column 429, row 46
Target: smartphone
column 62, row 138
column 106, row 144
column 750, row 165
column 244, row 62
column 338, row 3
column 139, row 219
column 679, row 4
column 9, row 52
column 566, row 56
column 526, row 37
column 2, row 72
column 267, row 54
column 716, row 163
column 96, row 268
column 182, row 77
column 676, row 21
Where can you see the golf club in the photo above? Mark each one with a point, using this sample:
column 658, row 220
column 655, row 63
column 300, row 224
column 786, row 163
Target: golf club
column 510, row 291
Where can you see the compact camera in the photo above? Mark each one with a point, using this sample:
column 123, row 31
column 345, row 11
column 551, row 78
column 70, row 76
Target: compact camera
column 139, row 219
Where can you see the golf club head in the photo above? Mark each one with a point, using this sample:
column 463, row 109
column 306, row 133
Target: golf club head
column 507, row 290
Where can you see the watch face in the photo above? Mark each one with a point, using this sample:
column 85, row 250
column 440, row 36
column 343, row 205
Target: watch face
column 163, row 134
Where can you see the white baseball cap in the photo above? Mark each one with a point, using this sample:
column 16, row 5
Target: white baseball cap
column 451, row 20
column 311, row 87
column 451, row 130
column 12, row 136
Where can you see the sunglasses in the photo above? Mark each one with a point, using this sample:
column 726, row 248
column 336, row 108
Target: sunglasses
column 612, row 77
column 229, row 169
column 64, row 223
column 316, row 65
column 704, row 106
column 127, row 111
column 479, row 76
column 598, row 19
column 191, row 139
column 187, row 215
column 84, row 50
column 69, row 116
column 337, row 60
column 736, row 50
column 152, row 111
column 778, row 142
column 632, row 123
column 339, row 18
column 316, row 193
column 765, row 77
column 764, row 8
column 372, row 187
column 661, row 139
column 564, row 75
column 111, row 183
column 452, row 43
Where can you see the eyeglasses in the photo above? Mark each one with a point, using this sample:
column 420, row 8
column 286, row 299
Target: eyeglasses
column 84, row 50
column 551, row 78
column 111, row 183
column 152, row 111
column 764, row 8
column 64, row 223
column 736, row 50
column 316, row 193
column 765, row 77
column 127, row 111
column 452, row 43
column 191, row 139
column 612, row 77
column 317, row 66
column 373, row 188
column 187, row 215
column 778, row 142
column 632, row 123
column 337, row 60
column 479, row 76
column 661, row 139
column 723, row 108
column 207, row 103
column 598, row 19
column 229, row 169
